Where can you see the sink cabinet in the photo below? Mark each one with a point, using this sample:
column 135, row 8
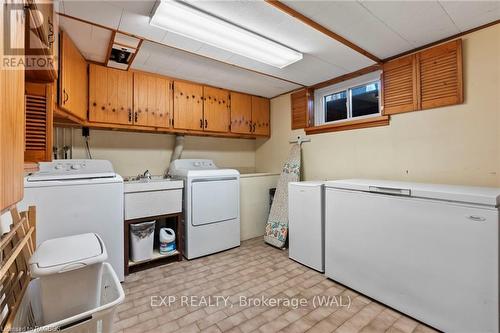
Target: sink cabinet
column 157, row 200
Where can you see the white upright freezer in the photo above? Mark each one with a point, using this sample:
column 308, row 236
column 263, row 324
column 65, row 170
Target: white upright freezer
column 430, row 251
column 306, row 223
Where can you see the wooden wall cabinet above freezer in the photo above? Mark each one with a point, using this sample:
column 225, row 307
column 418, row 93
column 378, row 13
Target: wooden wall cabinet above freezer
column 73, row 79
column 427, row 79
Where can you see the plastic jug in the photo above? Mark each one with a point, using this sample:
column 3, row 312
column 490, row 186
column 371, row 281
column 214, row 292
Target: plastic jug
column 167, row 240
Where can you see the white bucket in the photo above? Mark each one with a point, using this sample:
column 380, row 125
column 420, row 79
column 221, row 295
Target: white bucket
column 141, row 240
column 167, row 240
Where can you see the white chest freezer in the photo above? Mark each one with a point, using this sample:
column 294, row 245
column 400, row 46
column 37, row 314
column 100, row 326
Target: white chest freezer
column 306, row 223
column 430, row 251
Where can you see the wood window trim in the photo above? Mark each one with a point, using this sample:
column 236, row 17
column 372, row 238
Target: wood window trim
column 349, row 125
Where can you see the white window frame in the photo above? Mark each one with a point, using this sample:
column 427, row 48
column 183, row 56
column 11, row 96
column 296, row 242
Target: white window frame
column 320, row 94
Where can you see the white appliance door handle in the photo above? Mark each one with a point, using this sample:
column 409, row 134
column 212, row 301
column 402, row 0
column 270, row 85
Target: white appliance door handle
column 390, row 190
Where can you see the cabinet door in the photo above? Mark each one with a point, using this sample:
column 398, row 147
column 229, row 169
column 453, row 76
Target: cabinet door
column 141, row 99
column 124, row 101
column 12, row 119
column 400, row 91
column 38, row 127
column 302, row 108
column 162, row 98
column 188, row 106
column 73, row 84
column 98, row 94
column 440, row 70
column 260, row 116
column 241, row 113
column 216, row 109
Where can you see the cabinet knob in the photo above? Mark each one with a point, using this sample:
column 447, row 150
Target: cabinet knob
column 94, row 104
column 103, row 107
column 114, row 110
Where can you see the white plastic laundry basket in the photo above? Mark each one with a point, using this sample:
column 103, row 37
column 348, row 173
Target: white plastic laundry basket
column 29, row 317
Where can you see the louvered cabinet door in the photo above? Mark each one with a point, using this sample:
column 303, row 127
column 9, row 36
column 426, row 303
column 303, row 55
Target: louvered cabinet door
column 400, row 90
column 241, row 113
column 302, row 107
column 188, row 106
column 12, row 113
column 260, row 116
column 215, row 109
column 38, row 123
column 441, row 75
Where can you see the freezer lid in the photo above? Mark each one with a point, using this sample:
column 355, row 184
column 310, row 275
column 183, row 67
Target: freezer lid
column 467, row 194
column 308, row 183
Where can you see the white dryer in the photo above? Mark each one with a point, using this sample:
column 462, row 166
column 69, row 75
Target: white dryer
column 211, row 206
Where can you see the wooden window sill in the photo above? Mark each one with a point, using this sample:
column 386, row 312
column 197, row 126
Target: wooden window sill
column 349, row 125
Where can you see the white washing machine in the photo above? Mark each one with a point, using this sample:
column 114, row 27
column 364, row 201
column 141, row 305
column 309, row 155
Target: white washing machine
column 211, row 206
column 77, row 197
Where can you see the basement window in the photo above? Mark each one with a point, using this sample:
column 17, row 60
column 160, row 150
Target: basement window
column 349, row 100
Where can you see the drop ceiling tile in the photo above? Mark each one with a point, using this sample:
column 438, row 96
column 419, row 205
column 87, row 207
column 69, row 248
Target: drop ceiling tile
column 352, row 21
column 471, row 14
column 94, row 11
column 181, row 42
column 139, row 26
column 142, row 7
column 419, row 22
column 92, row 41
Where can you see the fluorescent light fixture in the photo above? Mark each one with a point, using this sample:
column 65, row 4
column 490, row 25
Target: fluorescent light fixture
column 185, row 20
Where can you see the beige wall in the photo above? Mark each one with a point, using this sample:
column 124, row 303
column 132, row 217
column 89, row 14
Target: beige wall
column 456, row 145
column 132, row 153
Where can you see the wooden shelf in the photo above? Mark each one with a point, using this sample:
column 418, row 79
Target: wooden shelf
column 156, row 256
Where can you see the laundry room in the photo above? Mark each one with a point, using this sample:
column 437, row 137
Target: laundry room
column 250, row 166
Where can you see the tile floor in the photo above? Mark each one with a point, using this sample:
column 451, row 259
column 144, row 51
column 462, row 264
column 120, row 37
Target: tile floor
column 252, row 271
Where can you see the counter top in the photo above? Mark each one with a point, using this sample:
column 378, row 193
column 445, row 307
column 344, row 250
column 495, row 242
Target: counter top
column 158, row 184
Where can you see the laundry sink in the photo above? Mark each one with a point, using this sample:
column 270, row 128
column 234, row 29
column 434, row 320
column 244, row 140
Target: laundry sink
column 152, row 197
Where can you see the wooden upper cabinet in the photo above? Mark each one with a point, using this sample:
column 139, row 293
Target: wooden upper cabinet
column 110, row 95
column 400, row 93
column 428, row 79
column 302, row 108
column 152, row 102
column 188, row 106
column 12, row 118
column 241, row 113
column 260, row 116
column 73, row 81
column 216, row 109
column 440, row 71
column 38, row 126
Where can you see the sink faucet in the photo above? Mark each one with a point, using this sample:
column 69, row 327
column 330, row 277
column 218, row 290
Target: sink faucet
column 147, row 174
